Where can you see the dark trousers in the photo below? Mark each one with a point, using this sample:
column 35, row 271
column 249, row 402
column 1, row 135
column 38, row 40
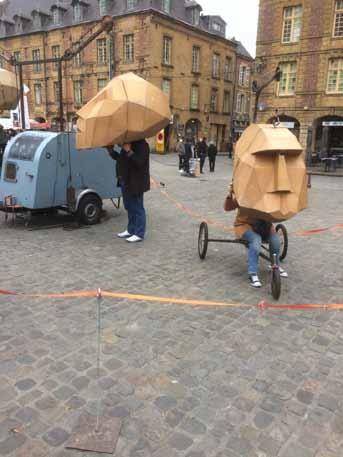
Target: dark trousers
column 134, row 205
column 181, row 162
column 202, row 163
column 212, row 162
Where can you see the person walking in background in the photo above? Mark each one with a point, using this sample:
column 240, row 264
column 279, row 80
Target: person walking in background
column 134, row 179
column 3, row 142
column 180, row 149
column 202, row 153
column 212, row 155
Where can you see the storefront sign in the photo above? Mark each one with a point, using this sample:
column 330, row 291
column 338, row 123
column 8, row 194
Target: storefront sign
column 287, row 125
column 333, row 124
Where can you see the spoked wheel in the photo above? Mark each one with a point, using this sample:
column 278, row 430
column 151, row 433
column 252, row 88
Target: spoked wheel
column 282, row 232
column 276, row 283
column 203, row 240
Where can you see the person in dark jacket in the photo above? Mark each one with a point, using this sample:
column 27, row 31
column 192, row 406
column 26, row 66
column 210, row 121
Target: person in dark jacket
column 202, row 153
column 134, row 179
column 212, row 155
column 3, row 142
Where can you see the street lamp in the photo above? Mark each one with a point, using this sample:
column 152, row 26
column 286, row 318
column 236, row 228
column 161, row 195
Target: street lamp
column 258, row 90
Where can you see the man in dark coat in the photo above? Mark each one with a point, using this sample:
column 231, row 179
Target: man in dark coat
column 134, row 179
column 202, row 153
column 212, row 155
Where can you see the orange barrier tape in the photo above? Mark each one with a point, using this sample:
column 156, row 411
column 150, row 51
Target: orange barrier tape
column 179, row 301
column 227, row 228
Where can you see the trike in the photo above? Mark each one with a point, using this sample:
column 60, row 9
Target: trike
column 281, row 230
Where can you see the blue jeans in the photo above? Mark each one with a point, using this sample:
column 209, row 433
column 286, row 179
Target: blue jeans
column 134, row 205
column 254, row 248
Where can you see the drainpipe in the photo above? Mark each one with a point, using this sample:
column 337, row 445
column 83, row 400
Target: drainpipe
column 45, row 76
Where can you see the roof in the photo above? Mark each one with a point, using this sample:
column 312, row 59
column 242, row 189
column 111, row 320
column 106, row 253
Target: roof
column 242, row 51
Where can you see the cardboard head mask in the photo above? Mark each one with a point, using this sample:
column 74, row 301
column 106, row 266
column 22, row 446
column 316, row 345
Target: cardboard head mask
column 269, row 178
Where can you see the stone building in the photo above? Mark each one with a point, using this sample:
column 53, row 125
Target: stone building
column 168, row 42
column 242, row 99
column 305, row 38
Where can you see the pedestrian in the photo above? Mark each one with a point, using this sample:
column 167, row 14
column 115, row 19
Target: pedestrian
column 180, row 149
column 202, row 153
column 3, row 142
column 188, row 156
column 212, row 155
column 134, row 179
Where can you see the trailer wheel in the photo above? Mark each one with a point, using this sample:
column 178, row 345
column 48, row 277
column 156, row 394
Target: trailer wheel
column 89, row 210
column 203, row 240
column 276, row 283
column 282, row 232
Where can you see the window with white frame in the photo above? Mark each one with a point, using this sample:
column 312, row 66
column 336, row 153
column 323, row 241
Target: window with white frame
column 195, row 16
column 77, row 12
column 227, row 68
column 338, row 22
column 56, row 54
column 242, row 75
column 292, row 23
column 56, row 91
column 131, row 4
column 56, row 16
column 129, row 51
column 77, row 60
column 217, row 27
column 166, row 87
column 102, row 83
column 215, row 65
column 167, row 50
column 196, row 59
column 194, row 97
column 335, row 76
column 77, row 86
column 240, row 104
column 38, row 93
column 226, row 102
column 101, row 50
column 36, row 56
column 214, row 101
column 288, row 79
column 103, row 7
column 166, row 6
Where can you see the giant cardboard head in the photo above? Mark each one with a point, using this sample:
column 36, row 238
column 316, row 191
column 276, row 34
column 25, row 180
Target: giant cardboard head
column 269, row 177
column 9, row 92
column 129, row 108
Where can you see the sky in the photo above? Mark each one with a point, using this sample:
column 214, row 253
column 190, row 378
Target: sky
column 241, row 17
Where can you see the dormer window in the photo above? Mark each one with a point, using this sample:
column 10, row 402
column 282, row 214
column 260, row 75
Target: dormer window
column 216, row 27
column 37, row 20
column 131, row 4
column 79, row 7
column 166, row 6
column 103, row 7
column 195, row 16
column 57, row 12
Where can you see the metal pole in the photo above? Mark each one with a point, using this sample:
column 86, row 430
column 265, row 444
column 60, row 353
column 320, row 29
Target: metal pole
column 60, row 89
column 22, row 107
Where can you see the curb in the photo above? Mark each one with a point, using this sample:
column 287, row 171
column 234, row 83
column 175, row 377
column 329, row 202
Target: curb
column 323, row 173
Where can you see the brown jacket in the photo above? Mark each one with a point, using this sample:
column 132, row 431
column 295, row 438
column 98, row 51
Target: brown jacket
column 244, row 223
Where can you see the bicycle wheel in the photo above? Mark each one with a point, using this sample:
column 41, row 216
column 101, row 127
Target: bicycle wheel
column 282, row 232
column 276, row 283
column 203, row 240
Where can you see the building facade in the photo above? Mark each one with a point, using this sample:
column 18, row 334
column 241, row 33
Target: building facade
column 168, row 42
column 304, row 38
column 242, row 99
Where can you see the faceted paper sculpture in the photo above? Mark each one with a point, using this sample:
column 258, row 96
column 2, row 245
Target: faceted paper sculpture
column 269, row 177
column 9, row 92
column 127, row 109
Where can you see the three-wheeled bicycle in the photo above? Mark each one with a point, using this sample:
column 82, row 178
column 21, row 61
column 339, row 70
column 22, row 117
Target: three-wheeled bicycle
column 275, row 279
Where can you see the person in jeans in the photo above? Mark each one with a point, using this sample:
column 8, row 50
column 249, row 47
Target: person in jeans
column 134, row 179
column 246, row 229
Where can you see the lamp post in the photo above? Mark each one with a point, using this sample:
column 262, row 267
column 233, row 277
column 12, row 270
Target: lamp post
column 258, row 90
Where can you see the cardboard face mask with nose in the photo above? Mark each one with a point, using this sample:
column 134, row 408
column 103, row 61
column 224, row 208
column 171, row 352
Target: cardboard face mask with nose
column 269, row 178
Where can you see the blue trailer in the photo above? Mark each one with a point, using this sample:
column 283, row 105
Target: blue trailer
column 44, row 171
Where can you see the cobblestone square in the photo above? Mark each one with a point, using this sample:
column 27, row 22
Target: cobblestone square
column 187, row 381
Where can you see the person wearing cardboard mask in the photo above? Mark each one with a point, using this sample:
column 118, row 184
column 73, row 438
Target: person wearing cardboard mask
column 269, row 185
column 134, row 179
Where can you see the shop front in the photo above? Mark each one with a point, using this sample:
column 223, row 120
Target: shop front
column 328, row 136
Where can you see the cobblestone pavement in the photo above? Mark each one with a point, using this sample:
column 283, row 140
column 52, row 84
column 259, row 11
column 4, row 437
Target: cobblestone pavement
column 186, row 381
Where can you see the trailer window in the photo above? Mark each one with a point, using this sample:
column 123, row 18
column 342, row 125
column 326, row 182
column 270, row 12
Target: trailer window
column 10, row 171
column 24, row 147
